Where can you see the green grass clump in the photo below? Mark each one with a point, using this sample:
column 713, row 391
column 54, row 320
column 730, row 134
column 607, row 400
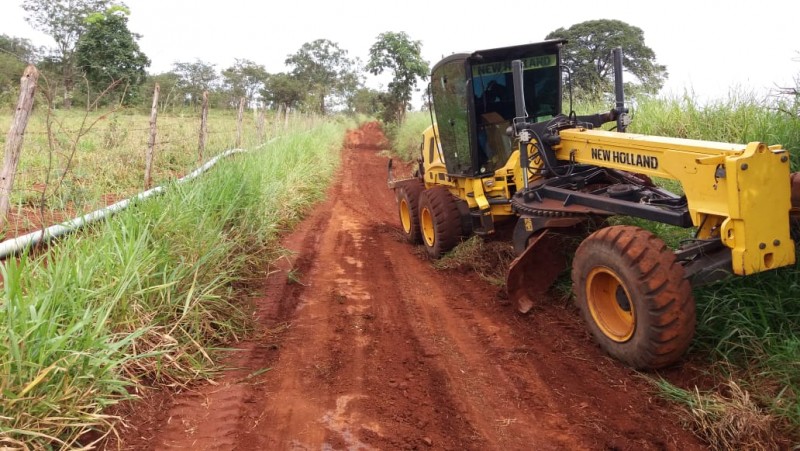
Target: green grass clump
column 149, row 294
column 406, row 138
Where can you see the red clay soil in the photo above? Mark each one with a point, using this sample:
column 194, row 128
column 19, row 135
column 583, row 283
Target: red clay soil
column 364, row 345
column 30, row 218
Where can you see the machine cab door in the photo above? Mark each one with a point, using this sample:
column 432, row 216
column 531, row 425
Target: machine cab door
column 449, row 89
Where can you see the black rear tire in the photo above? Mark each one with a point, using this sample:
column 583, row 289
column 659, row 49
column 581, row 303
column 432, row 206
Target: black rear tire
column 634, row 297
column 440, row 221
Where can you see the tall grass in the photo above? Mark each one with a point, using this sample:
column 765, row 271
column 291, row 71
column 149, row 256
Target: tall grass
column 740, row 118
column 407, row 137
column 748, row 328
column 148, row 295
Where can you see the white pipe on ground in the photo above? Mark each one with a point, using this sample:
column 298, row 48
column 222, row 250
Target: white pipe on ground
column 20, row 243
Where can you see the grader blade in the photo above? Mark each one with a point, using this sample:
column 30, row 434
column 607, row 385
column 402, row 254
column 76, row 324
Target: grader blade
column 534, row 271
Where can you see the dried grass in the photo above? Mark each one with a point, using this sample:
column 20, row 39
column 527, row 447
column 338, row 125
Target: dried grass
column 489, row 259
column 730, row 418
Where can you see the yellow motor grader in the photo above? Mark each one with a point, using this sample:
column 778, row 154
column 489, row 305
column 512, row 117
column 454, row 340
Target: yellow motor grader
column 500, row 148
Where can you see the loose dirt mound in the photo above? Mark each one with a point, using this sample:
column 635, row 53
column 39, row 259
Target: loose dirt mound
column 365, row 346
column 369, row 137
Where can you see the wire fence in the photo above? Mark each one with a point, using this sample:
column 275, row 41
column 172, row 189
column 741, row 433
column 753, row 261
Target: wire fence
column 75, row 161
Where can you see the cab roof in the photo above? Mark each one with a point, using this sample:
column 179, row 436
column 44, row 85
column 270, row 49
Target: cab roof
column 505, row 53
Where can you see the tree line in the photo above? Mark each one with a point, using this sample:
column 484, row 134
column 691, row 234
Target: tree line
column 98, row 57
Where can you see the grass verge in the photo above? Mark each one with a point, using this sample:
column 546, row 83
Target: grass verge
column 407, row 137
column 149, row 294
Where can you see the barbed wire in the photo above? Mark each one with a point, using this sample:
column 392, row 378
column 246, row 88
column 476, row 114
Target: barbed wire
column 67, row 183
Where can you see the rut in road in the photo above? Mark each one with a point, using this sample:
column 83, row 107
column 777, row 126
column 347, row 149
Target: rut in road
column 365, row 346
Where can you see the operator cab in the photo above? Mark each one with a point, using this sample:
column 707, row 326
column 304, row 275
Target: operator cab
column 473, row 95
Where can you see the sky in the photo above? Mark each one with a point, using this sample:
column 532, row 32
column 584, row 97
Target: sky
column 710, row 47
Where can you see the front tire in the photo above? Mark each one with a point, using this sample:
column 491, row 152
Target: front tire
column 633, row 296
column 440, row 221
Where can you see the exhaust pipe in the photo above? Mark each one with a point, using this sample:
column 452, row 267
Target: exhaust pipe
column 619, row 94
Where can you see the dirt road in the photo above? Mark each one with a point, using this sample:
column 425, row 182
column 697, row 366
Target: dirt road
column 366, row 346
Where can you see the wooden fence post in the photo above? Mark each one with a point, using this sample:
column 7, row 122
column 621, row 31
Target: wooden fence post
column 239, row 124
column 148, row 163
column 15, row 138
column 201, row 148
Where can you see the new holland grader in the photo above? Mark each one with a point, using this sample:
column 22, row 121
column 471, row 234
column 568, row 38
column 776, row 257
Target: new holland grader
column 501, row 149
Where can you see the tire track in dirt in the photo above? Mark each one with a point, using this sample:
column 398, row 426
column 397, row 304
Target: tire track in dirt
column 350, row 322
column 210, row 416
column 371, row 348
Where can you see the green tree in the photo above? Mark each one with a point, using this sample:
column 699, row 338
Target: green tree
column 15, row 54
column 350, row 83
column 366, row 101
column 244, row 79
column 326, row 71
column 65, row 22
column 170, row 95
column 284, row 90
column 588, row 56
column 20, row 48
column 397, row 53
column 107, row 52
column 194, row 78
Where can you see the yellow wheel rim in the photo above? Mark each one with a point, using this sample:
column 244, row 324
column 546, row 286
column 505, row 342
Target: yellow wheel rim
column 426, row 223
column 405, row 216
column 610, row 305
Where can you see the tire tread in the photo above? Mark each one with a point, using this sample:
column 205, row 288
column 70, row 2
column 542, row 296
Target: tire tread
column 664, row 306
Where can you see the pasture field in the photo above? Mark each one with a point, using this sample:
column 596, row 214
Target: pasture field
column 74, row 162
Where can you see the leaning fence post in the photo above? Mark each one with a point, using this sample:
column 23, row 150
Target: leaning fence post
column 239, row 124
column 15, row 138
column 148, row 163
column 201, row 148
